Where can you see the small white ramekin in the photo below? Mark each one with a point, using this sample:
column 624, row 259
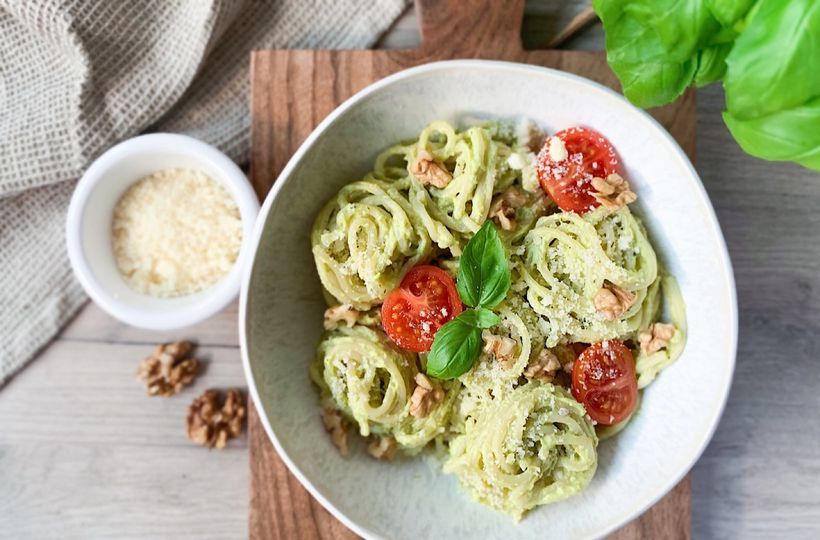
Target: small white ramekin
column 88, row 228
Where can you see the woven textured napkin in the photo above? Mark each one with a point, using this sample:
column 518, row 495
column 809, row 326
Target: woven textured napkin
column 77, row 76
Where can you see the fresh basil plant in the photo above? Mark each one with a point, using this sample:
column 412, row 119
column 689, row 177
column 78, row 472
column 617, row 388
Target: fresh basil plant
column 483, row 281
column 766, row 52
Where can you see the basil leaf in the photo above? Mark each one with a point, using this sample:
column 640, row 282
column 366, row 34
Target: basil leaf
column 480, row 318
column 483, row 272
column 728, row 12
column 658, row 48
column 772, row 99
column 682, row 26
column 790, row 135
column 456, row 346
column 773, row 65
column 637, row 55
column 712, row 64
column 761, row 49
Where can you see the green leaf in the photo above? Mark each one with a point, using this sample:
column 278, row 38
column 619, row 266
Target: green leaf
column 652, row 84
column 637, row 55
column 456, row 346
column 789, row 135
column 480, row 318
column 728, row 12
column 765, row 51
column 711, row 64
column 682, row 26
column 773, row 65
column 658, row 48
column 483, row 271
column 773, row 85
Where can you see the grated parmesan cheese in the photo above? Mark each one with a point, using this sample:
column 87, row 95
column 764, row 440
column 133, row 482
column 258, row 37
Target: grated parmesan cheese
column 175, row 233
column 557, row 149
column 515, row 161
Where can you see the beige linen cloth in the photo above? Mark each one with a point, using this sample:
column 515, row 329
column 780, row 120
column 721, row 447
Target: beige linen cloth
column 77, row 76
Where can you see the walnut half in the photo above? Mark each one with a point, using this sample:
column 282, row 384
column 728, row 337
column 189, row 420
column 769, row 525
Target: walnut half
column 429, row 171
column 341, row 313
column 656, row 337
column 612, row 192
column 337, row 426
column 543, row 366
column 425, row 396
column 504, row 206
column 501, row 348
column 168, row 370
column 211, row 423
column 383, row 448
column 613, row 301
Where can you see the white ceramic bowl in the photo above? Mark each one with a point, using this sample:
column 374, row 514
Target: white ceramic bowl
column 281, row 307
column 88, row 228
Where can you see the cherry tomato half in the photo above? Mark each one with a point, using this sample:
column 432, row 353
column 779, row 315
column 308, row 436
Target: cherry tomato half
column 569, row 180
column 412, row 314
column 604, row 381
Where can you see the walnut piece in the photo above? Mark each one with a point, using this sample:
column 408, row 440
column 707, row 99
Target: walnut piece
column 429, row 171
column 211, row 423
column 543, row 366
column 382, row 448
column 336, row 314
column 504, row 206
column 425, row 396
column 656, row 337
column 337, row 426
column 168, row 369
column 612, row 192
column 501, row 348
column 613, row 301
column 528, row 135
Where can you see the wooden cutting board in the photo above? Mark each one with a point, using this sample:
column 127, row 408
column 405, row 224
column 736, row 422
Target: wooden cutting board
column 292, row 91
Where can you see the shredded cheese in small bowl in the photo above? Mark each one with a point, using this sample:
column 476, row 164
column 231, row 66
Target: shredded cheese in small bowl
column 175, row 232
column 158, row 230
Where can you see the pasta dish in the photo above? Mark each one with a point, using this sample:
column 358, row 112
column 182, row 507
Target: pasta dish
column 493, row 300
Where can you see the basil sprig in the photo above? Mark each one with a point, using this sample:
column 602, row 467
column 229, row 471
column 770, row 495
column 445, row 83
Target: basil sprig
column 760, row 50
column 479, row 318
column 483, row 273
column 482, row 282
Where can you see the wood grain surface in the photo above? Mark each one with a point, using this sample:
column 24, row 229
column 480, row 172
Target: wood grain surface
column 85, row 455
column 291, row 92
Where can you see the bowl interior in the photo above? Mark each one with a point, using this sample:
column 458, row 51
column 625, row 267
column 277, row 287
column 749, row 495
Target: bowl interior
column 109, row 178
column 284, row 305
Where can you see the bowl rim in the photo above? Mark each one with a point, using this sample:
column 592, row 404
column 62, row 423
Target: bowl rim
column 333, row 117
column 218, row 295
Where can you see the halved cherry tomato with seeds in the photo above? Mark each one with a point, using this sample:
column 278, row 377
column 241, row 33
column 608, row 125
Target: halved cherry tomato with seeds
column 569, row 180
column 412, row 314
column 604, row 381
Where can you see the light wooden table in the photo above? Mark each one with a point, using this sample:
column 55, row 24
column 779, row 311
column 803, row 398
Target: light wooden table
column 85, row 454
